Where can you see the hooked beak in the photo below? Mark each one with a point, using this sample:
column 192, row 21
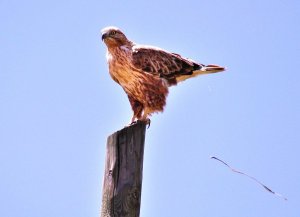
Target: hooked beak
column 104, row 36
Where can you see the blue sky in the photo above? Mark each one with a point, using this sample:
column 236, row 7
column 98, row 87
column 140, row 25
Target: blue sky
column 58, row 105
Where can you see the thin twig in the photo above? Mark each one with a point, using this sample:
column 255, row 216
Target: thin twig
column 251, row 177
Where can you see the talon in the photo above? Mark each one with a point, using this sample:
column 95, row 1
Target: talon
column 132, row 123
column 148, row 122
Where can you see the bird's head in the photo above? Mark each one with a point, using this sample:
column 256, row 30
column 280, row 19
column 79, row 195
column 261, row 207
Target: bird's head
column 113, row 37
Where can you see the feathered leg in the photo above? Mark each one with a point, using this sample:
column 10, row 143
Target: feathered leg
column 137, row 109
column 145, row 116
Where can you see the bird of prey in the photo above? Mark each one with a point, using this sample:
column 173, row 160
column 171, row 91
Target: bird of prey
column 146, row 72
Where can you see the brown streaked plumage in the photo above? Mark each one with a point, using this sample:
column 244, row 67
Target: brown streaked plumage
column 146, row 72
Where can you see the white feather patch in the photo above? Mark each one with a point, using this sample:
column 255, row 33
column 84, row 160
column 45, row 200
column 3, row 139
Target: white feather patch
column 125, row 48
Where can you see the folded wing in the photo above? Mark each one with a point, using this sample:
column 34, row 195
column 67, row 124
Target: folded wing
column 161, row 63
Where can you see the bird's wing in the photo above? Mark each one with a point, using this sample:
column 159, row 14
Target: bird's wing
column 162, row 63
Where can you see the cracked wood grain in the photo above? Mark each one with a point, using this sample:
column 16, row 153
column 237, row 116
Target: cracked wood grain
column 122, row 182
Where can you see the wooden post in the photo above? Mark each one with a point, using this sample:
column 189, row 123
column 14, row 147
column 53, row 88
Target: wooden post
column 123, row 172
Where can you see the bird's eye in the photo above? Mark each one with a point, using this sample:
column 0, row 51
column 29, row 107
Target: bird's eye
column 113, row 32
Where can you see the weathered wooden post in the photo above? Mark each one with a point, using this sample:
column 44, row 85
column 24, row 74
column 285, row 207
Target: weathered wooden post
column 122, row 181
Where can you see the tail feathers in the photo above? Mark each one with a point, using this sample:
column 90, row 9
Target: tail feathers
column 212, row 69
column 206, row 69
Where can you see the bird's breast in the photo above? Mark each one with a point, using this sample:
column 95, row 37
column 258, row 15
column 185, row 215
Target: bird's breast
column 121, row 68
column 140, row 85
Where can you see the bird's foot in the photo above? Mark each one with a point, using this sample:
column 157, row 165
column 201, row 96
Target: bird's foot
column 132, row 123
column 147, row 121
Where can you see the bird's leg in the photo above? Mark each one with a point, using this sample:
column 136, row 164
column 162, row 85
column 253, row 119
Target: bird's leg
column 137, row 109
column 133, row 120
column 145, row 117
